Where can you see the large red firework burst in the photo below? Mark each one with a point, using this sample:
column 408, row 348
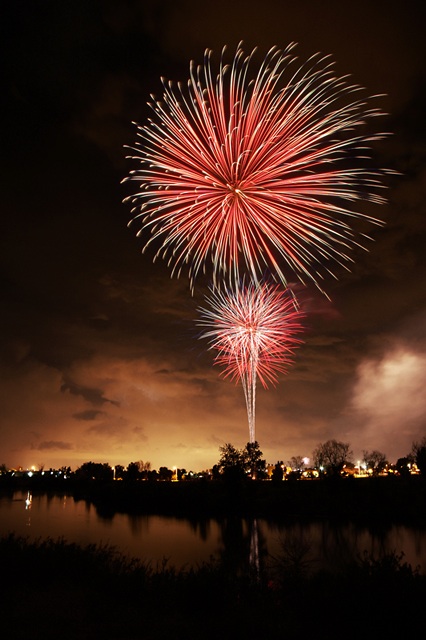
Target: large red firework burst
column 254, row 331
column 255, row 171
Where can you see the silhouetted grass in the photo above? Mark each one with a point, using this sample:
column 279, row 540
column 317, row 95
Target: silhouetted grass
column 53, row 589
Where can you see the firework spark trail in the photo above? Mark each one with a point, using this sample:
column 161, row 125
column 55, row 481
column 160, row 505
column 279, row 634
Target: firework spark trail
column 252, row 170
column 254, row 331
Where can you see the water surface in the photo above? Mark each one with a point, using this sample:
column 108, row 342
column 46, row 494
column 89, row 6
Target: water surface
column 186, row 542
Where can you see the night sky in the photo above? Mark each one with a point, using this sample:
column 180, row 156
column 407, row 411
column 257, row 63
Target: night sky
column 100, row 358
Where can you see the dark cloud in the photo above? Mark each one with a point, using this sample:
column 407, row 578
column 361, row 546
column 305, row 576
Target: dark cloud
column 89, row 414
column 99, row 346
column 93, row 396
column 139, row 434
column 55, row 445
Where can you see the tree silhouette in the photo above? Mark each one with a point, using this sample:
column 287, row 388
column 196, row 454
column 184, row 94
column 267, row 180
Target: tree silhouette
column 331, row 456
column 278, row 472
column 133, row 472
column 165, row 474
column 374, row 460
column 419, row 453
column 231, row 463
column 254, row 464
column 95, row 471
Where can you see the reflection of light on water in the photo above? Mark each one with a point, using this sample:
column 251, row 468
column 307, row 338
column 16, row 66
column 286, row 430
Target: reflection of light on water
column 28, row 503
column 254, row 549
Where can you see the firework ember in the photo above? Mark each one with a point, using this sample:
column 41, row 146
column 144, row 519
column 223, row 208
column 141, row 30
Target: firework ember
column 254, row 331
column 248, row 172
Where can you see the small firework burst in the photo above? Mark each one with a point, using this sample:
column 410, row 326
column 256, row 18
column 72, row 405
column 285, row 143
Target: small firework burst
column 254, row 331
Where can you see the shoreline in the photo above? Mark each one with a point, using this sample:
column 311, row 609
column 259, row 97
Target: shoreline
column 383, row 499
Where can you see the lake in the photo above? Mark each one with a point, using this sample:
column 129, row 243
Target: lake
column 184, row 542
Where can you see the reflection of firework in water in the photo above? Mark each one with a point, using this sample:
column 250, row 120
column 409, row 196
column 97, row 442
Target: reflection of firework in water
column 254, row 331
column 248, row 170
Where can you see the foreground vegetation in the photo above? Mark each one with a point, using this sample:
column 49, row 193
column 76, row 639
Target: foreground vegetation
column 53, row 589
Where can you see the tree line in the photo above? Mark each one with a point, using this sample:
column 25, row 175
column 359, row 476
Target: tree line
column 331, row 458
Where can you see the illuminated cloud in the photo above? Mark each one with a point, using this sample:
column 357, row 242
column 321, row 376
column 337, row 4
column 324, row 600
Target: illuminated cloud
column 389, row 400
column 160, row 413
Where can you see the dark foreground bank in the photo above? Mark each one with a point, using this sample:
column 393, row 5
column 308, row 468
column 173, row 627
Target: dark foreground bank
column 51, row 589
